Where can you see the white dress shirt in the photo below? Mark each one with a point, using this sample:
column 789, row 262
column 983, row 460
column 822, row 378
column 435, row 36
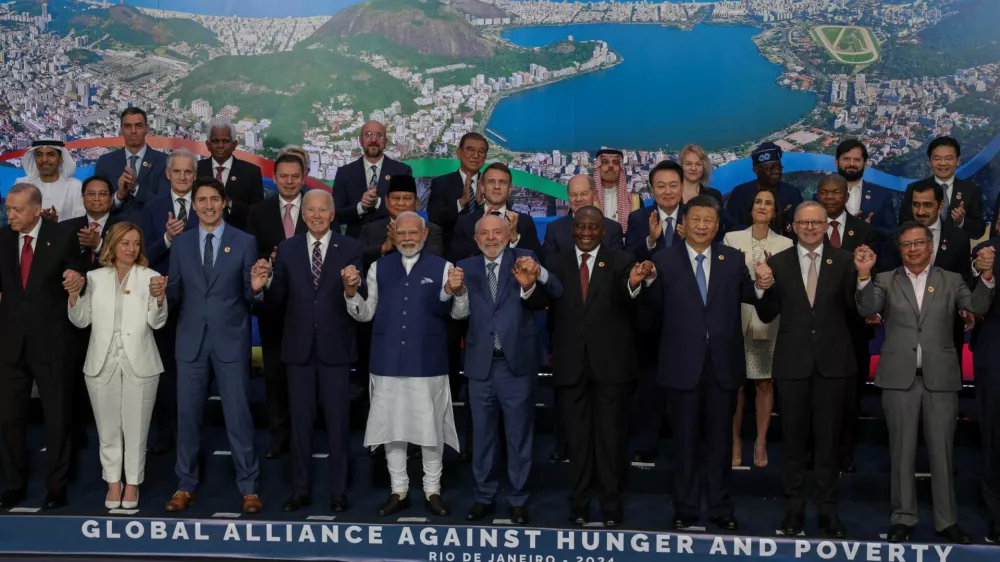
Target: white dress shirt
column 706, row 264
column 854, row 198
column 177, row 210
column 296, row 207
column 138, row 168
column 368, row 181
column 663, row 217
column 472, row 189
column 324, row 245
column 34, row 239
column 804, row 262
column 590, row 267
column 363, row 310
column 840, row 227
column 227, row 166
column 611, row 202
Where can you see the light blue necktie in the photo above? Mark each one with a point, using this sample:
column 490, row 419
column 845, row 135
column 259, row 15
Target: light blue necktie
column 699, row 276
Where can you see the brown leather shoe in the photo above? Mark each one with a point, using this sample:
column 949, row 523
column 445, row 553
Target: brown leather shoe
column 181, row 501
column 251, row 504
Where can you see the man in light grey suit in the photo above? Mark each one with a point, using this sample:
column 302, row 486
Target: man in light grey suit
column 918, row 371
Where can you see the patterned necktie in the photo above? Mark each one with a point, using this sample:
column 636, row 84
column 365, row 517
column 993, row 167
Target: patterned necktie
column 287, row 223
column 96, row 226
column 182, row 213
column 471, row 205
column 218, row 172
column 209, row 257
column 835, row 235
column 373, row 183
column 700, row 277
column 584, row 275
column 668, row 232
column 316, row 265
column 811, row 278
column 491, row 276
column 26, row 255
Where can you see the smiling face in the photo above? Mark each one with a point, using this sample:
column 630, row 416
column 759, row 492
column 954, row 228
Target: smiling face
column 810, row 226
column 472, row 155
column 944, row 160
column 288, row 178
column 410, row 237
column 181, row 174
column 580, row 193
column 317, row 212
column 208, row 203
column 694, row 168
column 851, row 165
column 496, row 187
column 48, row 159
column 667, row 190
column 492, row 236
column 763, row 207
column 128, row 248
column 916, row 248
column 925, row 206
column 588, row 229
column 833, row 197
column 399, row 202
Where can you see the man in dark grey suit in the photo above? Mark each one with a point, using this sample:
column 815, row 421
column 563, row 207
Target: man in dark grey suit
column 918, row 371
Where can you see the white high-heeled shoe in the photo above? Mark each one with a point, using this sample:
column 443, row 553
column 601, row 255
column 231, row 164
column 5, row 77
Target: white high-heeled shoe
column 111, row 504
column 130, row 505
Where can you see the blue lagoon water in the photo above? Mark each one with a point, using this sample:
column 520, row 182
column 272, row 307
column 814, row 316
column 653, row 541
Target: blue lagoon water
column 708, row 85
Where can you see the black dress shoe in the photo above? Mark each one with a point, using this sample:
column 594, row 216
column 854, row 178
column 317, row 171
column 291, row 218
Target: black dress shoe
column 726, row 523
column 645, row 456
column 55, row 500
column 436, row 506
column 338, row 503
column 275, row 452
column 899, row 533
column 10, row 498
column 613, row 519
column 164, row 443
column 519, row 515
column 847, row 465
column 296, row 503
column 579, row 516
column 955, row 534
column 993, row 535
column 394, row 505
column 479, row 510
column 792, row 524
column 681, row 523
column 831, row 527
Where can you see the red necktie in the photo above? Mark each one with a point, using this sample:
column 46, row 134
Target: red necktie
column 26, row 255
column 835, row 235
column 584, row 275
column 218, row 172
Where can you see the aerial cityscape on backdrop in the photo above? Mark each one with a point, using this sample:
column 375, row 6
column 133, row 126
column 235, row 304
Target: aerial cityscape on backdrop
column 892, row 74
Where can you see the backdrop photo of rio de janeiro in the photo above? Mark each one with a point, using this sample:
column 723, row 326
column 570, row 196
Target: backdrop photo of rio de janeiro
column 547, row 82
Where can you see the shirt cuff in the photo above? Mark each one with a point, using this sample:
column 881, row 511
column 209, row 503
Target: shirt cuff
column 513, row 243
column 378, row 203
column 632, row 293
column 361, row 210
column 445, row 297
column 758, row 292
column 648, row 246
column 166, row 240
column 863, row 284
column 543, row 277
column 959, row 225
column 100, row 244
column 527, row 294
column 458, row 204
column 990, row 282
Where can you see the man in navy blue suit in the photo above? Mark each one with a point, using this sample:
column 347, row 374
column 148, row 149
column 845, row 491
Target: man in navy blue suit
column 457, row 194
column 213, row 282
column 360, row 187
column 866, row 200
column 766, row 160
column 985, row 348
column 581, row 192
column 963, row 200
column 138, row 173
column 318, row 342
column 163, row 218
column 701, row 285
column 502, row 357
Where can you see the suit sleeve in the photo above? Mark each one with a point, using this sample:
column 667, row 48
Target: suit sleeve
column 885, row 219
column 156, row 246
column 974, row 224
column 635, row 238
column 277, row 290
column 871, row 297
column 736, row 208
column 748, row 287
column 371, row 249
column 616, row 240
column 347, row 212
column 256, row 186
column 175, row 282
column 156, row 315
column 249, row 258
column 435, row 242
column 463, row 245
column 550, row 246
column 906, row 207
column 80, row 315
column 529, row 235
column 440, row 210
column 74, row 258
column 980, row 300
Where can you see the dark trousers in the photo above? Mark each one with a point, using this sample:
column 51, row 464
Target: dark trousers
column 651, row 406
column 329, row 385
column 275, row 381
column 165, row 407
column 849, row 429
column 988, row 400
column 686, row 409
column 55, row 388
column 456, row 332
column 595, row 420
column 514, row 396
column 812, row 408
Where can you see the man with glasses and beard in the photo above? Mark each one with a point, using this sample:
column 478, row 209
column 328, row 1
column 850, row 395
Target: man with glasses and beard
column 963, row 204
column 409, row 301
column 766, row 160
column 870, row 202
column 359, row 188
column 243, row 182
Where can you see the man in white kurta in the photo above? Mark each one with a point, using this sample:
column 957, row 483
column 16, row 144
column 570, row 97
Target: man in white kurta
column 49, row 167
column 409, row 301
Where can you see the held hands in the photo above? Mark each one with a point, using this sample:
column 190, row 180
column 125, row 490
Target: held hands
column 72, row 282
column 369, row 199
column 864, row 260
column 969, row 318
column 958, row 213
column 174, row 227
column 511, row 217
column 259, row 274
column 641, row 272
column 158, row 288
column 50, row 214
column 456, row 282
column 526, row 272
column 984, row 261
column 352, row 280
column 764, row 275
column 89, row 238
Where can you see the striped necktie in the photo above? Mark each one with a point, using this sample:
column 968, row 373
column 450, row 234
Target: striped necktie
column 316, row 264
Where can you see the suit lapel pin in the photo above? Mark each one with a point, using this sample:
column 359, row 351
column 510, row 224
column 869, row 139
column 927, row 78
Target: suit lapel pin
column 944, row 247
column 868, row 195
column 930, row 289
column 829, row 261
column 721, row 257
column 958, row 195
column 226, row 250
column 232, row 178
column 600, row 264
column 145, row 164
column 48, row 243
column 127, row 292
column 388, row 177
column 850, row 233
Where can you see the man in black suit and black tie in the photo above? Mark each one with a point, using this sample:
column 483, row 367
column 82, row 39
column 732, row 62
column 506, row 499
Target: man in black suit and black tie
column 457, row 194
column 581, row 192
column 848, row 232
column 378, row 237
column 963, row 201
column 814, row 362
column 243, row 181
column 359, row 188
column 593, row 362
column 271, row 222
column 39, row 260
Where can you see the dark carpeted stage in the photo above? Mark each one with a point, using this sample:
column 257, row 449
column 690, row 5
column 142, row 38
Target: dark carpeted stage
column 214, row 528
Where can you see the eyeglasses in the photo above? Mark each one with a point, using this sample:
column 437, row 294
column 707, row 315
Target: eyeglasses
column 372, row 134
column 810, row 224
column 96, row 194
column 474, row 151
column 917, row 244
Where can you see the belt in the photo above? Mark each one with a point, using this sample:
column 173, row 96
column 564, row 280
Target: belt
column 497, row 353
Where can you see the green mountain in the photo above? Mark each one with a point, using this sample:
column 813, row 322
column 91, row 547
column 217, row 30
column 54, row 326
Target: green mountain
column 129, row 27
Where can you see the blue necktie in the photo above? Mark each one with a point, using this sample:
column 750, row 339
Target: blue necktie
column 209, row 257
column 699, row 276
column 668, row 232
column 491, row 276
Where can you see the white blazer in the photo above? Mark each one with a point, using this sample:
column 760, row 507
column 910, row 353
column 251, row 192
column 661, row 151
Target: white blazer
column 140, row 316
column 742, row 240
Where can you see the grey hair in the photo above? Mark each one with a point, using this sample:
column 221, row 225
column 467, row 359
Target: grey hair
column 182, row 153
column 34, row 194
column 220, row 124
column 590, row 181
column 411, row 214
column 489, row 215
column 808, row 205
column 327, row 196
column 291, row 149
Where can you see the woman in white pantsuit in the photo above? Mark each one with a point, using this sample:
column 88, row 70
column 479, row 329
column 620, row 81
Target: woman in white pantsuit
column 123, row 365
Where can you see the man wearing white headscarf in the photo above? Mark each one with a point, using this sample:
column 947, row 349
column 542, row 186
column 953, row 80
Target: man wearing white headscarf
column 614, row 197
column 49, row 167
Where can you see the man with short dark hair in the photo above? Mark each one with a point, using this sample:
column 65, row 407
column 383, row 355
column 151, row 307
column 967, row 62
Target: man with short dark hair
column 868, row 201
column 90, row 228
column 766, row 160
column 458, row 193
column 243, row 181
column 963, row 200
column 359, row 187
column 137, row 173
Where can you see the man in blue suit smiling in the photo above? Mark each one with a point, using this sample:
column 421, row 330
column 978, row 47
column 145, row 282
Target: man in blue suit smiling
column 138, row 173
column 502, row 357
column 213, row 281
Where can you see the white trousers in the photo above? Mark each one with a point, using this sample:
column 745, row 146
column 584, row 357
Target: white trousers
column 122, row 409
column 395, row 456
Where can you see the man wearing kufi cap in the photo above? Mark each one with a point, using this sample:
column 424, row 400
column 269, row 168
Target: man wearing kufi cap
column 614, row 198
column 766, row 160
column 377, row 237
column 49, row 167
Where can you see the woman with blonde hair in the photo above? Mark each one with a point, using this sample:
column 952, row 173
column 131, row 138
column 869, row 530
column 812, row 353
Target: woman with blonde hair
column 124, row 302
column 758, row 243
column 697, row 174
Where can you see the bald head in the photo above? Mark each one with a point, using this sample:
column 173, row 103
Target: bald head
column 372, row 140
column 581, row 192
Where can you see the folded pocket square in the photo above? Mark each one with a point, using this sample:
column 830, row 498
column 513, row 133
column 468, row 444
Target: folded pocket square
column 425, row 280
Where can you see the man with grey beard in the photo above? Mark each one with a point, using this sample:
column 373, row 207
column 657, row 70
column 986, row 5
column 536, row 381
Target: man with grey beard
column 410, row 397
column 502, row 356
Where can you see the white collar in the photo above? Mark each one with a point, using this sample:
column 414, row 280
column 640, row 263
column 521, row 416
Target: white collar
column 295, row 202
column 378, row 165
column 186, row 197
column 945, row 182
column 498, row 261
column 141, row 154
column 34, row 231
column 324, row 241
column 579, row 252
column 842, row 219
column 409, row 261
column 664, row 214
column 502, row 210
column 465, row 176
column 228, row 164
column 692, row 253
column 101, row 221
column 803, row 252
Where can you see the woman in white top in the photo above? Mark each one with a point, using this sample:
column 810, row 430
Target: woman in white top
column 123, row 365
column 757, row 243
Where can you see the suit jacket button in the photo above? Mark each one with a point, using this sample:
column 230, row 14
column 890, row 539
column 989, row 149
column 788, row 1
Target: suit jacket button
column 404, row 327
column 404, row 313
column 814, row 331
